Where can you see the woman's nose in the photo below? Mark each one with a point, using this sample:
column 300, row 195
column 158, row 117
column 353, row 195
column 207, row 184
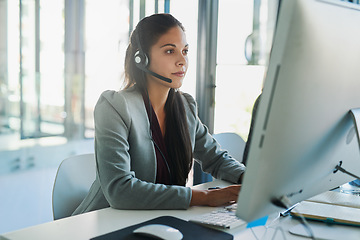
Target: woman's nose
column 182, row 60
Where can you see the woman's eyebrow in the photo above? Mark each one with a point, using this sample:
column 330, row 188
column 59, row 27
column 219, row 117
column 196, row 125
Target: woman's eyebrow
column 168, row 44
column 172, row 45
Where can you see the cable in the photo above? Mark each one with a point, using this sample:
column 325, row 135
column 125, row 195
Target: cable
column 281, row 230
column 265, row 234
column 338, row 167
column 158, row 148
column 151, row 136
column 305, row 224
column 284, row 202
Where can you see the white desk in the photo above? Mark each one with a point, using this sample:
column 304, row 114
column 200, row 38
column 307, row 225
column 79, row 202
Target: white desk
column 92, row 224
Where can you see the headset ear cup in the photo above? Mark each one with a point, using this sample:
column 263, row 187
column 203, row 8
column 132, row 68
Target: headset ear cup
column 141, row 59
column 146, row 60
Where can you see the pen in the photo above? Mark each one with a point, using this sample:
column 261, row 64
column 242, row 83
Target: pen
column 287, row 211
column 212, row 188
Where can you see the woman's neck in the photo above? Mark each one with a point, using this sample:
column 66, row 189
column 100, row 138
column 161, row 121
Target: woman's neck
column 158, row 96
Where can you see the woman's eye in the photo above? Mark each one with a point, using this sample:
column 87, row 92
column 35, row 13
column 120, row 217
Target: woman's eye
column 185, row 52
column 169, row 51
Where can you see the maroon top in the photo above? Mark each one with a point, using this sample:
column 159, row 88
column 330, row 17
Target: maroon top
column 162, row 171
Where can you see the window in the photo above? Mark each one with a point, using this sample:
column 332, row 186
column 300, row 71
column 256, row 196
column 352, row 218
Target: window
column 106, row 40
column 237, row 83
column 32, row 87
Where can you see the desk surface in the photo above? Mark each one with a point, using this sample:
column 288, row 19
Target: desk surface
column 92, row 224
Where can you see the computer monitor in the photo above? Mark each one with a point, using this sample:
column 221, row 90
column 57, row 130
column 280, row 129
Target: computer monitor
column 303, row 128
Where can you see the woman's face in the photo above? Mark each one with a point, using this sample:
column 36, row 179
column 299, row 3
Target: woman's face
column 168, row 57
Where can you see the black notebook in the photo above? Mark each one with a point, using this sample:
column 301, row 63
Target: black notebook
column 188, row 229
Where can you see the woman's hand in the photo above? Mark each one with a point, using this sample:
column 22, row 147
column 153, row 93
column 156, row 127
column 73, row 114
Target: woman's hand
column 215, row 197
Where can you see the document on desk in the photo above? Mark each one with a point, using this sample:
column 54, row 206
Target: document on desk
column 331, row 207
column 337, row 198
column 323, row 231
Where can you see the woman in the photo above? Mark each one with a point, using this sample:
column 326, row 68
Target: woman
column 147, row 134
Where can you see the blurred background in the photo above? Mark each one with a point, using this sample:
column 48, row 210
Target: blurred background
column 58, row 56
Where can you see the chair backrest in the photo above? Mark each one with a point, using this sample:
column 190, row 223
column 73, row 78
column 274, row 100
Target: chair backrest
column 231, row 142
column 73, row 180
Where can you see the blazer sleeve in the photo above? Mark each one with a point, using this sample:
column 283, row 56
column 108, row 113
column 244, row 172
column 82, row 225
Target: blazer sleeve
column 208, row 153
column 119, row 184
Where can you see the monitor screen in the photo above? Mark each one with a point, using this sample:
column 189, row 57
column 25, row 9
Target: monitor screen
column 303, row 128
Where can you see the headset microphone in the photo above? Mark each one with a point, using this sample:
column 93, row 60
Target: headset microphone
column 142, row 61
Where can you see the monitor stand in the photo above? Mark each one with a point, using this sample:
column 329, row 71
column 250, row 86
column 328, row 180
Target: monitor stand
column 355, row 112
column 353, row 186
column 283, row 201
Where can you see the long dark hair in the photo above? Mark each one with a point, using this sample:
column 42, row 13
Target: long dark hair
column 177, row 137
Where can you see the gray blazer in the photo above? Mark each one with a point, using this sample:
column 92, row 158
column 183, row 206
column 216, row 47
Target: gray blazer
column 126, row 159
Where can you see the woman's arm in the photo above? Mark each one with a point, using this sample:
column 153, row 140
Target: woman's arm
column 208, row 152
column 215, row 197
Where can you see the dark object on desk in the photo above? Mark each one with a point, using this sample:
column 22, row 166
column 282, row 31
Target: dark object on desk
column 253, row 117
column 188, row 229
column 287, row 211
column 159, row 231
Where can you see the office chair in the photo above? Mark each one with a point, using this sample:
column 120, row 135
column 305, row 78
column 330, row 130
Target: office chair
column 73, row 180
column 231, row 142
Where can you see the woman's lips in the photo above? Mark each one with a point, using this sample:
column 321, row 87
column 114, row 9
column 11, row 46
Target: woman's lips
column 179, row 74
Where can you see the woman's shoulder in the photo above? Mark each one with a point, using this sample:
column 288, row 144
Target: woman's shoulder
column 188, row 98
column 118, row 100
column 189, row 102
column 113, row 96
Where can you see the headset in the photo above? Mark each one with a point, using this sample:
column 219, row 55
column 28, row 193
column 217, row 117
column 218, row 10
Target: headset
column 142, row 61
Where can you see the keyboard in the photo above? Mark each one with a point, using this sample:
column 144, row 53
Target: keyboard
column 223, row 218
